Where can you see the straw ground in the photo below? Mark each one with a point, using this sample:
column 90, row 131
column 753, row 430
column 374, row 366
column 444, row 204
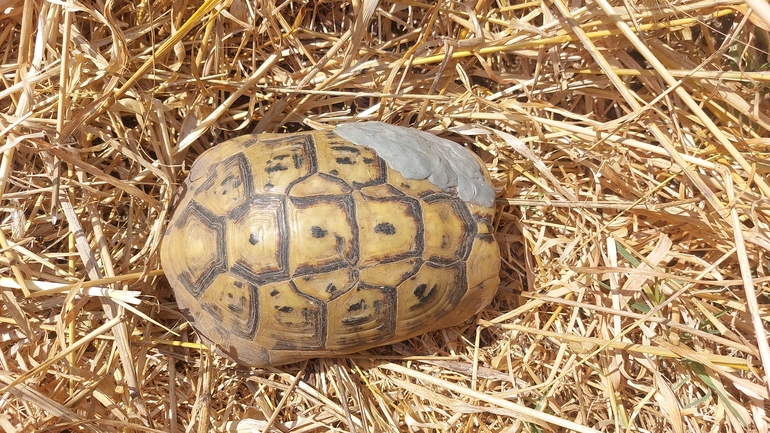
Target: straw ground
column 628, row 143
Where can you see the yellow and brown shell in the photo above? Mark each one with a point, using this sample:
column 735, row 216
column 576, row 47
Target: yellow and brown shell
column 293, row 246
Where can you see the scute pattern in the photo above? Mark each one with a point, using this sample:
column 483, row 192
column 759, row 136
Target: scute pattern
column 323, row 233
column 234, row 303
column 229, row 185
column 256, row 245
column 204, row 256
column 287, row 247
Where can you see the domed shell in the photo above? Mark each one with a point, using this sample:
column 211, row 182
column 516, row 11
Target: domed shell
column 286, row 247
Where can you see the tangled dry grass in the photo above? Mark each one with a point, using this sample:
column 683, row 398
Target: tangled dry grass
column 628, row 143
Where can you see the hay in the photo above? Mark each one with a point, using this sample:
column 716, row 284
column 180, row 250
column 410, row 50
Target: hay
column 628, row 146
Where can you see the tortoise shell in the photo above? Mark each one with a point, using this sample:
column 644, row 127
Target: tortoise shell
column 286, row 247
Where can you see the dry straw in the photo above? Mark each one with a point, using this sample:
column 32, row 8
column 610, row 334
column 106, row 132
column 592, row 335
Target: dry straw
column 628, row 143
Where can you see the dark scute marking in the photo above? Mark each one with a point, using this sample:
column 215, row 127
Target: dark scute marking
column 334, row 172
column 368, row 160
column 435, row 197
column 237, row 308
column 339, row 244
column 277, row 167
column 233, row 181
column 385, row 228
column 238, row 284
column 317, row 232
column 423, row 297
column 318, row 269
column 471, row 229
column 308, row 315
column 457, row 291
column 265, row 276
column 380, row 179
column 213, row 310
column 309, row 145
column 331, row 288
column 360, row 305
column 350, row 149
column 299, row 160
column 356, row 321
column 383, row 314
column 386, row 192
column 486, row 219
column 253, row 239
column 486, row 237
column 246, row 327
column 279, row 157
column 286, row 309
column 275, row 292
column 345, row 161
column 253, row 140
column 301, row 149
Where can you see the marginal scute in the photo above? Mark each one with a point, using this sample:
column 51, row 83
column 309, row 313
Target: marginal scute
column 286, row 247
column 479, row 266
column 483, row 217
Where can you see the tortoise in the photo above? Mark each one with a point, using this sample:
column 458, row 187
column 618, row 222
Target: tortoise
column 285, row 247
